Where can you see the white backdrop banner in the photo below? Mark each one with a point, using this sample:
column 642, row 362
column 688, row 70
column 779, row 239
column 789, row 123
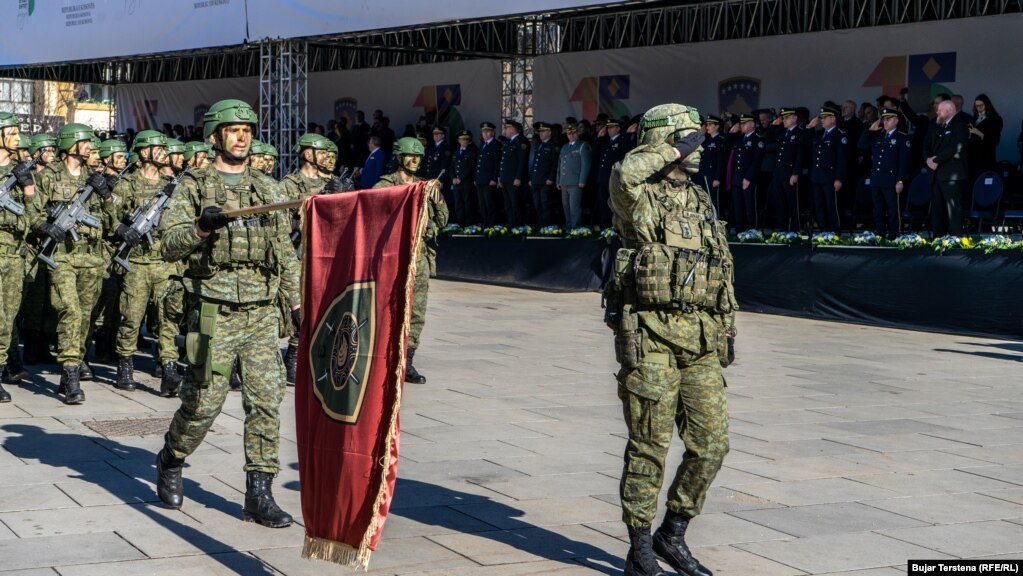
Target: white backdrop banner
column 967, row 56
column 461, row 94
column 142, row 106
column 37, row 31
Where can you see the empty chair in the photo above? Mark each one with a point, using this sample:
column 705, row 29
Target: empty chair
column 987, row 194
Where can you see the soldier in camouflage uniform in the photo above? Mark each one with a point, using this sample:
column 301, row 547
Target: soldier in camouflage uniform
column 672, row 308
column 147, row 281
column 410, row 152
column 75, row 282
column 197, row 154
column 13, row 231
column 263, row 157
column 107, row 313
column 176, row 157
column 236, row 270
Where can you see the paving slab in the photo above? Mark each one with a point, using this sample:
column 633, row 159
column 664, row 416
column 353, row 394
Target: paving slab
column 840, row 518
column 973, row 539
column 837, row 552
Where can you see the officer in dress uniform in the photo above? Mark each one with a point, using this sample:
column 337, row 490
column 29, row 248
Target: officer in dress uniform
column 830, row 162
column 437, row 159
column 463, row 169
column 487, row 165
column 787, row 167
column 747, row 154
column 543, row 174
column 713, row 160
column 890, row 152
column 513, row 171
column 611, row 152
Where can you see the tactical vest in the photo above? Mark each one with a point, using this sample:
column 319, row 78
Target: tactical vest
column 15, row 226
column 142, row 193
column 690, row 266
column 242, row 243
column 64, row 189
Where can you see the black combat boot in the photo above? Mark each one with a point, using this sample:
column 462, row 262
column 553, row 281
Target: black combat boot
column 85, row 371
column 235, row 381
column 37, row 351
column 641, row 560
column 5, row 396
column 171, row 380
column 13, row 372
column 158, row 371
column 70, row 386
column 412, row 375
column 168, row 479
column 259, row 502
column 670, row 545
column 291, row 363
column 125, row 374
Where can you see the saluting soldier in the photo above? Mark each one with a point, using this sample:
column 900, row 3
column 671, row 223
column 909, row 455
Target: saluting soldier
column 487, row 166
column 890, row 152
column 513, row 171
column 713, row 160
column 543, row 174
column 747, row 154
column 610, row 151
column 463, row 171
column 830, row 159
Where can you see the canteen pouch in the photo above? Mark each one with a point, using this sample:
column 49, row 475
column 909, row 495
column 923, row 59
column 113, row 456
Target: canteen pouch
column 653, row 274
column 629, row 348
column 199, row 346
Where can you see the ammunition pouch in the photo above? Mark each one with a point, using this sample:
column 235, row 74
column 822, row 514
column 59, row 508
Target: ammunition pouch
column 199, row 347
column 671, row 278
column 242, row 243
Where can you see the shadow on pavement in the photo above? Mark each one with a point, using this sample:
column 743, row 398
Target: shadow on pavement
column 53, row 449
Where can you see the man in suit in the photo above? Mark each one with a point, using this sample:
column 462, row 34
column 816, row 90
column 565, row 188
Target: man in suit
column 830, row 162
column 463, row 170
column 946, row 159
column 573, row 172
column 712, row 161
column 748, row 153
column 360, row 137
column 513, row 172
column 487, row 163
column 890, row 152
column 374, row 167
column 787, row 168
column 543, row 174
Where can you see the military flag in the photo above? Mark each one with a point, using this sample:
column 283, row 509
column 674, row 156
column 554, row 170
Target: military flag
column 357, row 279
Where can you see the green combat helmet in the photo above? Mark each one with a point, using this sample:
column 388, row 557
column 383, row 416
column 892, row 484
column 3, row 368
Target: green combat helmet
column 227, row 112
column 665, row 120
column 108, row 148
column 409, row 146
column 175, row 146
column 25, row 142
column 40, row 141
column 147, row 138
column 270, row 150
column 257, row 148
column 191, row 148
column 7, row 120
column 72, row 134
column 314, row 141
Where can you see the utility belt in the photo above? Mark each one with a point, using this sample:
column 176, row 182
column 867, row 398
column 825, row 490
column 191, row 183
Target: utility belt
column 20, row 251
column 663, row 277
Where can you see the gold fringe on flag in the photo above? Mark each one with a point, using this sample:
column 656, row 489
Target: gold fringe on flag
column 336, row 552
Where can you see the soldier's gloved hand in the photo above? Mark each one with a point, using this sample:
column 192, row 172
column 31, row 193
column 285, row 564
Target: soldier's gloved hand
column 347, row 185
column 688, row 143
column 212, row 218
column 130, row 235
column 296, row 319
column 55, row 233
column 168, row 190
column 731, row 349
column 99, row 185
column 23, row 174
column 333, row 185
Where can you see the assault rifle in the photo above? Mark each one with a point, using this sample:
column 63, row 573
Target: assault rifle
column 7, row 202
column 66, row 216
column 145, row 219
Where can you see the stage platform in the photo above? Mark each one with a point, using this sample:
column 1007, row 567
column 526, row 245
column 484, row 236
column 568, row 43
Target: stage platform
column 959, row 291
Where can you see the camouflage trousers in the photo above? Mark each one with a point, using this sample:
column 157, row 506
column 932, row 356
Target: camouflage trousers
column 146, row 282
column 248, row 336
column 74, row 292
column 12, row 270
column 677, row 383
column 420, row 291
column 36, row 310
column 107, row 313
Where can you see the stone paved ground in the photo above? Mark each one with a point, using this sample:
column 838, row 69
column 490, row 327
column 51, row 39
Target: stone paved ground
column 853, row 449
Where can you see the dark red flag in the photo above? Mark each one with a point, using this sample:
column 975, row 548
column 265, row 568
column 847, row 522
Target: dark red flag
column 357, row 277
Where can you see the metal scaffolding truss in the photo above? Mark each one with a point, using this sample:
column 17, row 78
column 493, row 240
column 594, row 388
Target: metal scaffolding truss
column 283, row 98
column 671, row 23
column 533, row 38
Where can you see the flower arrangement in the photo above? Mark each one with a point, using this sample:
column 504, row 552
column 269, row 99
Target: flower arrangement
column 948, row 242
column 473, row 230
column 867, row 239
column 910, row 241
column 580, row 232
column 608, row 234
column 495, row 231
column 451, row 229
column 751, row 236
column 522, row 231
column 827, row 239
column 788, row 238
column 996, row 242
column 552, row 231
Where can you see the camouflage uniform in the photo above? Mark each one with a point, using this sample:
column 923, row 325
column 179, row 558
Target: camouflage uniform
column 13, row 231
column 75, row 283
column 426, row 260
column 296, row 186
column 670, row 304
column 149, row 278
column 238, row 269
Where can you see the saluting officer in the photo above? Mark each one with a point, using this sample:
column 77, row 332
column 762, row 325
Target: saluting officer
column 889, row 152
column 487, row 165
column 787, row 167
column 513, row 171
column 611, row 151
column 544, row 172
column 713, row 160
column 830, row 163
column 748, row 153
column 463, row 169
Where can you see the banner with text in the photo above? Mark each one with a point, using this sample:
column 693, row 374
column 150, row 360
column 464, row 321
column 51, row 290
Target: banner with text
column 794, row 70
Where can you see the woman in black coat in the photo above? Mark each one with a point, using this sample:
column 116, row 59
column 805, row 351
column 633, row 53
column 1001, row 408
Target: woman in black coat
column 985, row 134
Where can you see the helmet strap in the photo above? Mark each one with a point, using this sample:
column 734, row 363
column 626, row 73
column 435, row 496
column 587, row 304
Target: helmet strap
column 228, row 158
